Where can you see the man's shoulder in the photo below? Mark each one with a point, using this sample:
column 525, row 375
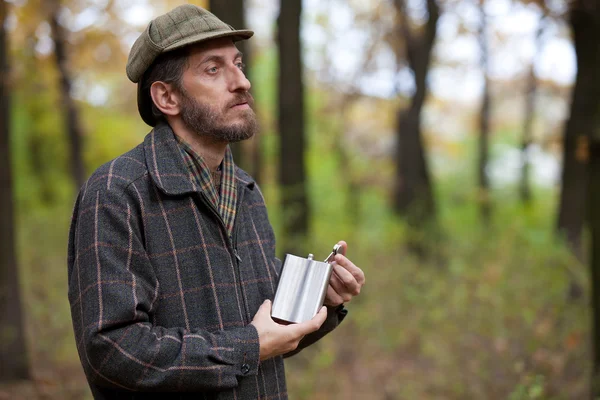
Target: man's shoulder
column 243, row 177
column 119, row 173
column 247, row 180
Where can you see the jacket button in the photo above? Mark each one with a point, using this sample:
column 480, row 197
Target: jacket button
column 245, row 369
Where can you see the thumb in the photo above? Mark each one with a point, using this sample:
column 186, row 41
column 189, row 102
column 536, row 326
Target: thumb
column 344, row 247
column 264, row 311
column 265, row 307
column 312, row 325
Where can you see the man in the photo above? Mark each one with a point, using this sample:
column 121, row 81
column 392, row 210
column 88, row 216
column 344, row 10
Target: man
column 171, row 254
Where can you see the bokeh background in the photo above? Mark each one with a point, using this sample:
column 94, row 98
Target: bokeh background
column 454, row 144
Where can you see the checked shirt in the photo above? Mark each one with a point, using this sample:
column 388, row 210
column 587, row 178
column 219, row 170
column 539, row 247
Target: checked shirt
column 161, row 295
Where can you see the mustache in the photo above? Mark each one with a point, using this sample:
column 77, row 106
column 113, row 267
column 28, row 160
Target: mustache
column 245, row 97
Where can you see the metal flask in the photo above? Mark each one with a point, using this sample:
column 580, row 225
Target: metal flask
column 302, row 287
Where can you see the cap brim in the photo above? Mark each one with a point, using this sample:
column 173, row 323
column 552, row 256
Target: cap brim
column 238, row 35
column 144, row 99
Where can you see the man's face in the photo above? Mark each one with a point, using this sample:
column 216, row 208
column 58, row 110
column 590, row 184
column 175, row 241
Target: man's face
column 215, row 100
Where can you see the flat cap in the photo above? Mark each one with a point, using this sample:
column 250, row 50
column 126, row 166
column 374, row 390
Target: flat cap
column 182, row 26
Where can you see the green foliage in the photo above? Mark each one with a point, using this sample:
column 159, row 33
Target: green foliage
column 533, row 389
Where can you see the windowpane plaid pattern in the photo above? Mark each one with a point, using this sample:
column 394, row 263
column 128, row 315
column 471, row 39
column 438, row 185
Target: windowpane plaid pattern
column 225, row 201
column 161, row 299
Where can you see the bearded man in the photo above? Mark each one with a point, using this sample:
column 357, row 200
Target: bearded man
column 171, row 254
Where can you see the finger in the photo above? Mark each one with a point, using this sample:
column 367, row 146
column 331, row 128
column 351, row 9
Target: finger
column 321, row 316
column 350, row 284
column 337, row 284
column 312, row 325
column 344, row 275
column 344, row 295
column 265, row 307
column 333, row 298
column 358, row 273
column 319, row 319
column 344, row 247
column 264, row 312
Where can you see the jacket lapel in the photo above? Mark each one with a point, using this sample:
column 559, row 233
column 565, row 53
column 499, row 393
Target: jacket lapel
column 165, row 163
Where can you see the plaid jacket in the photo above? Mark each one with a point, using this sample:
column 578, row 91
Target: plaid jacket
column 161, row 296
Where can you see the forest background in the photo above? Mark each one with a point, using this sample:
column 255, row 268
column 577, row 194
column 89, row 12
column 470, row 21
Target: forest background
column 454, row 144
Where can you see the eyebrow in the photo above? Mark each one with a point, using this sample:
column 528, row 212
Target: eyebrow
column 218, row 58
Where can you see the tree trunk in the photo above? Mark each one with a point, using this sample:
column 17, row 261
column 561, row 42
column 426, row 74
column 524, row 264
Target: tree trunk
column 594, row 223
column 414, row 194
column 292, row 175
column 13, row 355
column 73, row 125
column 571, row 213
column 352, row 196
column 484, row 198
column 527, row 139
column 246, row 154
column 585, row 22
column 37, row 141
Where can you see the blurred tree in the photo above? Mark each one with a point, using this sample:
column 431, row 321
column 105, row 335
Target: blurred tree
column 233, row 13
column 349, row 90
column 246, row 154
column 585, row 23
column 13, row 355
column 594, row 210
column 571, row 213
column 414, row 194
column 292, row 170
column 484, row 198
column 39, row 142
column 95, row 60
column 530, row 102
column 73, row 124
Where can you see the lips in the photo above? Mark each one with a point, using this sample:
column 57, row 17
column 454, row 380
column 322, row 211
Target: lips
column 242, row 100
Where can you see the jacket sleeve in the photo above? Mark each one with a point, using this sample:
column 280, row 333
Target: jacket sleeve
column 113, row 293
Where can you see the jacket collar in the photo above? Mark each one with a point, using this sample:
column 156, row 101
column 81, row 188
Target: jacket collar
column 167, row 167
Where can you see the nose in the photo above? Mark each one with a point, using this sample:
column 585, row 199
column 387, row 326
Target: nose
column 239, row 82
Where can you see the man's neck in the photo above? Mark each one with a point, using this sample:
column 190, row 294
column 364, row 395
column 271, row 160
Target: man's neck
column 211, row 151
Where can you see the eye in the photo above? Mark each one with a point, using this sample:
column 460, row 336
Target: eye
column 213, row 70
column 241, row 66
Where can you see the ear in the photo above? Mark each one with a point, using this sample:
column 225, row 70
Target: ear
column 165, row 98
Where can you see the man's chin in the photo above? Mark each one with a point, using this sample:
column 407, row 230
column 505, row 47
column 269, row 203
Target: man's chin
column 234, row 132
column 240, row 136
column 244, row 129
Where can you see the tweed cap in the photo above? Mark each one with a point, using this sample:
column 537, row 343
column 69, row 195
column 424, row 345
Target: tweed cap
column 182, row 26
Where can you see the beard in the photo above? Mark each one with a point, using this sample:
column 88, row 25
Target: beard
column 209, row 122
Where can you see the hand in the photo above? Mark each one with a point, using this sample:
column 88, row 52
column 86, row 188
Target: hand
column 346, row 279
column 276, row 339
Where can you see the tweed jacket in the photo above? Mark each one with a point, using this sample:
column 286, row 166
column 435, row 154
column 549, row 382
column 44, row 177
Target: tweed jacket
column 161, row 296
